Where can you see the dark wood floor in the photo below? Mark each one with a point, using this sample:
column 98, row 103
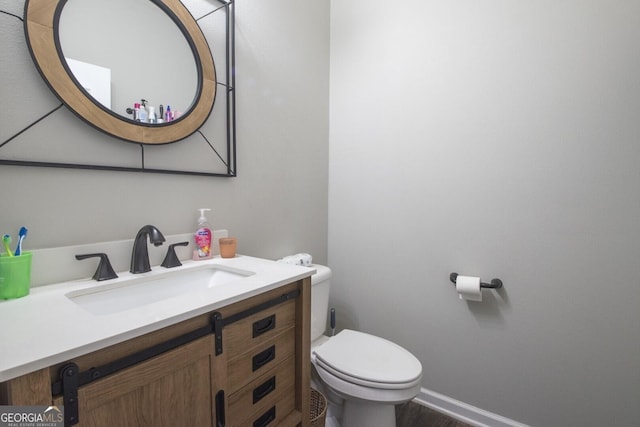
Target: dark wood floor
column 413, row 415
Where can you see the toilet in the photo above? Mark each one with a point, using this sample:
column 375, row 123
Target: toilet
column 363, row 376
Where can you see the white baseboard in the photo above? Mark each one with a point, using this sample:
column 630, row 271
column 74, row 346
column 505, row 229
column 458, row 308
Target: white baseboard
column 463, row 411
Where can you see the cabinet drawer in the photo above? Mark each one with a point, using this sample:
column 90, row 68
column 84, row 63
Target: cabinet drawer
column 262, row 393
column 258, row 328
column 271, row 416
column 248, row 366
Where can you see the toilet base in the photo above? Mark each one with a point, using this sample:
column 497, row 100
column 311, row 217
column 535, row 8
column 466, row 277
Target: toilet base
column 348, row 411
column 356, row 413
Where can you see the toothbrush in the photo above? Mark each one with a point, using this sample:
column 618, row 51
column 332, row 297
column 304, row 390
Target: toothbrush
column 21, row 235
column 6, row 241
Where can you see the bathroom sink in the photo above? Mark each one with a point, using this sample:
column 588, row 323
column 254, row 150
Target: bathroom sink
column 136, row 291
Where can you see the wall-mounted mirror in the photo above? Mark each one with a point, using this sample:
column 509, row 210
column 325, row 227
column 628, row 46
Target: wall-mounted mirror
column 139, row 49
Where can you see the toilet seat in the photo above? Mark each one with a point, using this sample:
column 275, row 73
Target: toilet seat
column 369, row 361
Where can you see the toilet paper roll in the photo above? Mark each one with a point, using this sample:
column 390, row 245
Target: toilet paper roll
column 288, row 260
column 298, row 259
column 304, row 259
column 468, row 288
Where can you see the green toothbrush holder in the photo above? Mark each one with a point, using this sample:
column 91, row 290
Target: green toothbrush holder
column 15, row 275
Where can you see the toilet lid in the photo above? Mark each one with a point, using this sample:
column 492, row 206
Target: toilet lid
column 362, row 358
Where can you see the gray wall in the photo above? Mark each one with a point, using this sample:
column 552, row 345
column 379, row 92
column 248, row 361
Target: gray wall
column 276, row 206
column 495, row 139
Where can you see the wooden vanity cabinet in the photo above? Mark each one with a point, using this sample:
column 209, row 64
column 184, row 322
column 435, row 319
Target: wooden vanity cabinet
column 254, row 371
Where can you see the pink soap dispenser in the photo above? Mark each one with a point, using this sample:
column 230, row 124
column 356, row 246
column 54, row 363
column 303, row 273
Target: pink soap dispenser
column 203, row 238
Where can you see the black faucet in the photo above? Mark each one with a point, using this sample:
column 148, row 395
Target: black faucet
column 140, row 254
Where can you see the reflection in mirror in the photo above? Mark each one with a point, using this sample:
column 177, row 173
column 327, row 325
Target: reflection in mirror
column 122, row 51
column 42, row 22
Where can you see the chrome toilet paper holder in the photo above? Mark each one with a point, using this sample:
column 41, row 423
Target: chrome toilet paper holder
column 495, row 283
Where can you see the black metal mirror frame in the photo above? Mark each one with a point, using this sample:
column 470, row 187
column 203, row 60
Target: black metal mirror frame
column 40, row 23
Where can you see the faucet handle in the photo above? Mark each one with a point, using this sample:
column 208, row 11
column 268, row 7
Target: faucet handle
column 104, row 270
column 171, row 259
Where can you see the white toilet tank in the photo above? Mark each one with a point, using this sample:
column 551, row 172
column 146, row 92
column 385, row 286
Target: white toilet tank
column 320, row 285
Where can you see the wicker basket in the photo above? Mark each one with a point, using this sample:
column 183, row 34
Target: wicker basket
column 318, row 409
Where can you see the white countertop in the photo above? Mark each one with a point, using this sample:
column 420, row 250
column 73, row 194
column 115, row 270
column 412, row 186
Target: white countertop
column 46, row 327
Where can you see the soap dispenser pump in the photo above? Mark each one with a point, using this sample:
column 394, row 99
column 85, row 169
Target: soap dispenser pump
column 203, row 237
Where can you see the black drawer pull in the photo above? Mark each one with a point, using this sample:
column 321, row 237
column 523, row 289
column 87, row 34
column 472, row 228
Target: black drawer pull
column 264, row 325
column 264, row 389
column 266, row 418
column 220, row 421
column 264, row 357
